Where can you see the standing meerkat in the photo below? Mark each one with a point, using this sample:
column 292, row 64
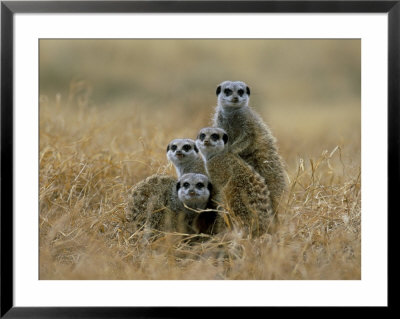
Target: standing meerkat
column 242, row 190
column 185, row 156
column 249, row 136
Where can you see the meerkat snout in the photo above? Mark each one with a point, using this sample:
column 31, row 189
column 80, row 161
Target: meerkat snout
column 179, row 154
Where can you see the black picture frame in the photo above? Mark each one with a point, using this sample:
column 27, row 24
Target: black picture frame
column 9, row 8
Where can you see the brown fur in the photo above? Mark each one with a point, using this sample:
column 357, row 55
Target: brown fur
column 242, row 190
column 154, row 204
column 252, row 140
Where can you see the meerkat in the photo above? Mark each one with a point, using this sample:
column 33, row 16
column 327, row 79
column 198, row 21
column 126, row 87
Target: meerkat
column 150, row 197
column 153, row 193
column 249, row 136
column 185, row 156
column 194, row 191
column 242, row 190
column 180, row 205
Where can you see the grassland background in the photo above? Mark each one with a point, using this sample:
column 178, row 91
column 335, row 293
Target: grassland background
column 108, row 108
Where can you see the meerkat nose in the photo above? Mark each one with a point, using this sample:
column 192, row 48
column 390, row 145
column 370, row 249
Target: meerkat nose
column 206, row 142
column 192, row 192
column 235, row 99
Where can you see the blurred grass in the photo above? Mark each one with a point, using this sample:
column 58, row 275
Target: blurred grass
column 108, row 108
column 281, row 72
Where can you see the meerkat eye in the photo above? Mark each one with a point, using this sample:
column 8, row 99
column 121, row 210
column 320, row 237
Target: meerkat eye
column 202, row 136
column 215, row 137
column 173, row 147
column 228, row 92
column 199, row 185
column 240, row 92
column 186, row 184
column 186, row 147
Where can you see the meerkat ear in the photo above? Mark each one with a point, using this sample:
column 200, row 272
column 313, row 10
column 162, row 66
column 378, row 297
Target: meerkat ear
column 225, row 138
column 248, row 90
column 178, row 185
column 210, row 187
column 195, row 148
column 167, row 148
column 218, row 89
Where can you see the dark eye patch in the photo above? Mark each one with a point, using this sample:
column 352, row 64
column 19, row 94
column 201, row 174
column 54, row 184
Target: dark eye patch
column 199, row 185
column 202, row 136
column 228, row 92
column 186, row 184
column 215, row 137
column 186, row 147
column 240, row 92
column 225, row 138
column 218, row 91
column 173, row 147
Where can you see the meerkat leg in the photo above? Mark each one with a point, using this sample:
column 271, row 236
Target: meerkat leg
column 274, row 178
column 240, row 144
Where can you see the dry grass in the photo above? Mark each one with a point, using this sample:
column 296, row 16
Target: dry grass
column 100, row 136
column 90, row 157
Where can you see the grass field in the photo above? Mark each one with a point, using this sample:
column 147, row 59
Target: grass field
column 105, row 121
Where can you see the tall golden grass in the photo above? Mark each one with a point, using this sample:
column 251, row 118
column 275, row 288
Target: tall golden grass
column 89, row 158
column 91, row 154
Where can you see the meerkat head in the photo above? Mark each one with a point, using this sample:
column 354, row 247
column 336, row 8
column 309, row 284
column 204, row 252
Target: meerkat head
column 211, row 141
column 233, row 95
column 194, row 190
column 181, row 151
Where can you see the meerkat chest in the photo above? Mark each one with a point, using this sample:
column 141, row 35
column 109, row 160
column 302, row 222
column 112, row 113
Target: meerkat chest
column 232, row 124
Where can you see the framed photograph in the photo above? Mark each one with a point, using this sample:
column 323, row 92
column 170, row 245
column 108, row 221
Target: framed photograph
column 103, row 103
